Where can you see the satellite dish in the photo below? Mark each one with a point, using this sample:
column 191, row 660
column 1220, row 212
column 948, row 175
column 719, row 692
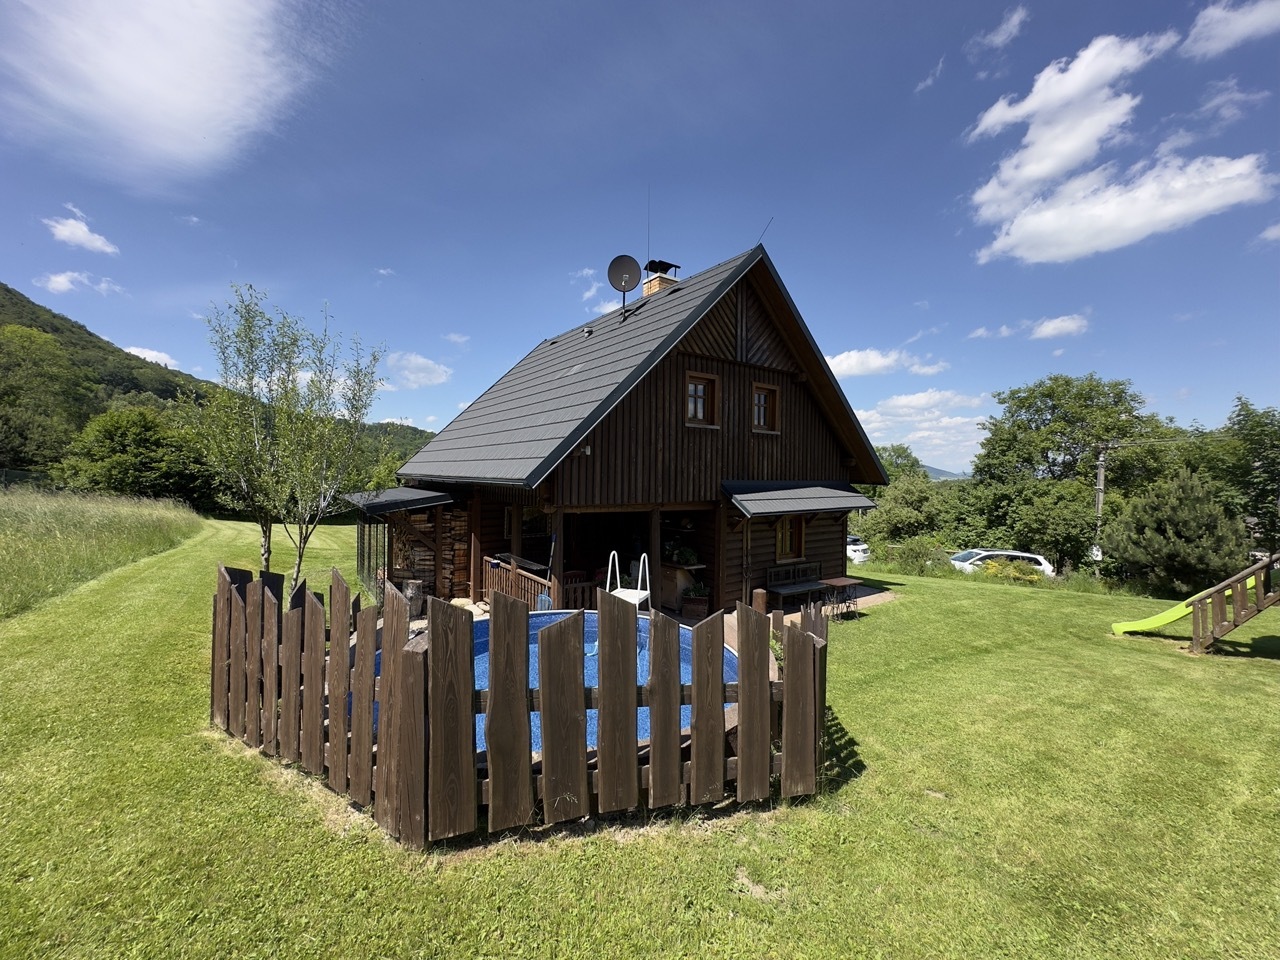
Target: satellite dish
column 624, row 273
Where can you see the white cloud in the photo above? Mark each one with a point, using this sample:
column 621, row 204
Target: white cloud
column 76, row 233
column 1224, row 102
column 592, row 290
column 1071, row 325
column 457, row 339
column 385, row 272
column 74, row 209
column 982, row 333
column 1092, row 214
column 155, row 356
column 586, row 273
column 1271, row 233
column 932, row 78
column 606, row 306
column 921, row 304
column 1002, row 35
column 411, row 370
column 861, row 363
column 431, row 419
column 1072, row 110
column 191, row 220
column 75, row 279
column 936, row 424
column 1220, row 27
column 161, row 92
column 929, row 369
column 464, row 404
column 1059, row 352
column 403, row 421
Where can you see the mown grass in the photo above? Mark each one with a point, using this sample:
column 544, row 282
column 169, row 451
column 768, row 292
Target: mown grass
column 1008, row 781
column 52, row 542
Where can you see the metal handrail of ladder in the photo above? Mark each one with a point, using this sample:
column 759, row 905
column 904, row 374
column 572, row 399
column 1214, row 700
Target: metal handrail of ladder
column 634, row 595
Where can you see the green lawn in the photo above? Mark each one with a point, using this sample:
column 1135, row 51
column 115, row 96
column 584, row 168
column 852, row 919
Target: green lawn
column 1016, row 783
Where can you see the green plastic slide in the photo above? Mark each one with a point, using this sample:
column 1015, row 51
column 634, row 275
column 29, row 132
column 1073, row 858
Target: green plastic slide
column 1163, row 618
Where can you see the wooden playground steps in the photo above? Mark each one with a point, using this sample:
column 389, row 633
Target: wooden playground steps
column 1209, row 619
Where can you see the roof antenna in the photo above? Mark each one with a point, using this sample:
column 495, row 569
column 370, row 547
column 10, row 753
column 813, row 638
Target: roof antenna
column 764, row 231
column 624, row 275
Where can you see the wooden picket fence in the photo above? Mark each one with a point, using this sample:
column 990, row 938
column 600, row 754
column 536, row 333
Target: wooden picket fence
column 282, row 683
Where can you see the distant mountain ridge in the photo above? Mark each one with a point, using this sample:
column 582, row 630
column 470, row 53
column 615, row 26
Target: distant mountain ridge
column 936, row 473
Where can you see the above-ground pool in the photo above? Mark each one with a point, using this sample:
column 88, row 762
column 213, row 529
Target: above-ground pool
column 591, row 669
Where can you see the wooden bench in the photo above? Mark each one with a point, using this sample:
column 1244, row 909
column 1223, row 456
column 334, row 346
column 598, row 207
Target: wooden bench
column 794, row 580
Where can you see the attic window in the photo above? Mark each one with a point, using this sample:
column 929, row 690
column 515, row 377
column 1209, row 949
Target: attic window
column 701, row 400
column 764, row 408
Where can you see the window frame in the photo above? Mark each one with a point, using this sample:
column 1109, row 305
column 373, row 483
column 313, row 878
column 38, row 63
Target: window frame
column 773, row 407
column 790, row 527
column 711, row 400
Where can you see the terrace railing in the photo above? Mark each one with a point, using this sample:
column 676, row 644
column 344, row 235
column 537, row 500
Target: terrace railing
column 508, row 577
column 403, row 743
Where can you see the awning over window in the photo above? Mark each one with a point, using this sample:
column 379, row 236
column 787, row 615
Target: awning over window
column 397, row 498
column 771, row 498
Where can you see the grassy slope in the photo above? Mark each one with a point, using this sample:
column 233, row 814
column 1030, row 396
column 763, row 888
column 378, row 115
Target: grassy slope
column 1032, row 787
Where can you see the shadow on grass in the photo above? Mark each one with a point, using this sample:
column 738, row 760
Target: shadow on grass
column 1268, row 648
column 843, row 763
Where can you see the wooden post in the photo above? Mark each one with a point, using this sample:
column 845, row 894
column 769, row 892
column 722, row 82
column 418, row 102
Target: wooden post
column 760, row 600
column 413, row 743
column 507, row 730
column 753, row 705
column 477, row 558
column 556, row 574
column 799, row 755
column 619, row 784
column 395, row 634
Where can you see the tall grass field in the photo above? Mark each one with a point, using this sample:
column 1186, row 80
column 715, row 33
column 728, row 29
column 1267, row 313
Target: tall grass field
column 52, row 542
column 1006, row 779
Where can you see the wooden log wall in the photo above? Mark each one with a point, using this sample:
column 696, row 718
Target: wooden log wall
column 416, row 767
column 643, row 452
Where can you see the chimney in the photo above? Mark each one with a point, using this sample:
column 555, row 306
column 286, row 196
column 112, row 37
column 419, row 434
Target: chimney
column 661, row 275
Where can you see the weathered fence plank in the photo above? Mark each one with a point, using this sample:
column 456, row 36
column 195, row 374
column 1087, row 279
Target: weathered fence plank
column 820, row 707
column 253, row 664
column 313, row 655
column 361, row 763
column 564, row 721
column 616, row 757
column 220, row 669
column 270, row 670
column 665, row 783
column 395, row 634
column 706, row 784
column 507, row 731
column 338, row 671
column 451, row 806
column 291, row 684
column 799, row 775
column 413, row 743
column 753, row 704
column 236, row 697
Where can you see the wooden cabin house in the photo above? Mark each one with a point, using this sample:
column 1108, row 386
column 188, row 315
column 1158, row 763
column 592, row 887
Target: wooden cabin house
column 702, row 427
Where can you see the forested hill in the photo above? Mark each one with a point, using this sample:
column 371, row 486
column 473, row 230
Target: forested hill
column 107, row 368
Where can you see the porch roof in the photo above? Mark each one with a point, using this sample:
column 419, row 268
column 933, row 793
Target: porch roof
column 397, row 498
column 767, row 498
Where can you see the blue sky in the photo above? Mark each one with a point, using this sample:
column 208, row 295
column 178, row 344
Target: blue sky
column 961, row 197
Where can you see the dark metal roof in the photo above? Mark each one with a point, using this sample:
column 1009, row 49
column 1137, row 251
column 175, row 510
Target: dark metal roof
column 768, row 499
column 519, row 430
column 397, row 498
column 536, row 414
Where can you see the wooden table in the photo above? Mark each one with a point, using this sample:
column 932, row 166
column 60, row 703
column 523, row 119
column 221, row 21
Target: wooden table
column 842, row 593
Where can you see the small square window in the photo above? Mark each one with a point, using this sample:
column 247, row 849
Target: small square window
column 700, row 400
column 764, row 408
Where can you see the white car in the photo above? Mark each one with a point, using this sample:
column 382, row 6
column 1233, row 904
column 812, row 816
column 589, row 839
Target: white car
column 856, row 549
column 969, row 561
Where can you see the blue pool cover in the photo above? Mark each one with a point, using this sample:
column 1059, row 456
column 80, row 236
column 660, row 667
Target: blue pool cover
column 591, row 669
